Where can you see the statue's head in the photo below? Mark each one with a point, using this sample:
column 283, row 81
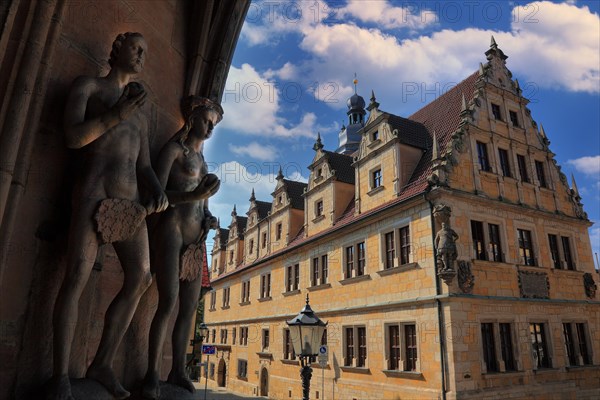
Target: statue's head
column 129, row 52
column 192, row 105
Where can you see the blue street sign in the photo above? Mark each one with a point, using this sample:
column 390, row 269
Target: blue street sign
column 209, row 349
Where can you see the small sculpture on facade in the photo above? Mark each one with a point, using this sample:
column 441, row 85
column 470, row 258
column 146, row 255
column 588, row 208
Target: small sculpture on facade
column 445, row 244
column 466, row 279
column 589, row 285
column 103, row 120
column 178, row 242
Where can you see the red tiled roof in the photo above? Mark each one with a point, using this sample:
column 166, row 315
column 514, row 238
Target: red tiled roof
column 441, row 116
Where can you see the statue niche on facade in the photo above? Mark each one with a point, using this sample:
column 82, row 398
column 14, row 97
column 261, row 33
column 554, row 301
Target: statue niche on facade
column 103, row 120
column 178, row 242
column 445, row 244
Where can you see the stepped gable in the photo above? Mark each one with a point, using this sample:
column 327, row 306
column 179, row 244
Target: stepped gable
column 264, row 208
column 410, row 132
column 441, row 116
column 295, row 190
column 342, row 165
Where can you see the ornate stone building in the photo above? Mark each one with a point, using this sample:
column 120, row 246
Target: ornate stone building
column 449, row 255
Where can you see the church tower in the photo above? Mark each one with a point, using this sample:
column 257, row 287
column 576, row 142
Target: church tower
column 349, row 138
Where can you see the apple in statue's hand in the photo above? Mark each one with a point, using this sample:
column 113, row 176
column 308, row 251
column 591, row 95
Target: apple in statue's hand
column 210, row 179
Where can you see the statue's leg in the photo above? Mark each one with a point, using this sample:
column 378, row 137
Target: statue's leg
column 188, row 304
column 166, row 264
column 135, row 261
column 83, row 248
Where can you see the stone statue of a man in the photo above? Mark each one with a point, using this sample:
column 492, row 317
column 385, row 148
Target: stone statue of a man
column 445, row 245
column 104, row 122
column 178, row 248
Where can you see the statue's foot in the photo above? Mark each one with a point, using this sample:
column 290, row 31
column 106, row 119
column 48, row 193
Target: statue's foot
column 151, row 387
column 59, row 388
column 181, row 379
column 107, row 378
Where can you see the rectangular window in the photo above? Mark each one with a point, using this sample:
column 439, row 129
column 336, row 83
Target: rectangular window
column 230, row 256
column 362, row 347
column 570, row 344
column 582, row 342
column 410, row 343
column 478, row 240
column 489, row 347
column 375, row 136
column 233, row 335
column 360, row 250
column 324, row 269
column 541, row 175
column 349, row 261
column 390, row 252
column 226, row 297
column 539, row 345
column 264, row 240
column 504, row 162
column 376, row 178
column 265, row 340
column 293, row 278
column 404, row 245
column 265, row 286
column 251, row 247
column 553, row 242
column 507, row 347
column 213, row 300
column 245, row 292
column 567, row 253
column 214, row 336
column 244, row 336
column 523, row 168
column 223, row 336
column 495, row 244
column 288, row 348
column 514, row 118
column 319, row 208
column 482, row 154
column 496, row 112
column 315, row 271
column 349, row 359
column 526, row 247
column 242, row 369
column 278, row 231
column 394, row 347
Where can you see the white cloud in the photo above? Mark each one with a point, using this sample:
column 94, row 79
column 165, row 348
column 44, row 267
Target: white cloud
column 252, row 103
column 387, row 16
column 287, row 72
column 256, row 151
column 587, row 165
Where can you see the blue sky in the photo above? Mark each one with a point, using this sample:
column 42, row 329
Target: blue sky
column 294, row 64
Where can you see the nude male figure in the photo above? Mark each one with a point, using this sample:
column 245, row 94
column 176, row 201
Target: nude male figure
column 178, row 248
column 103, row 120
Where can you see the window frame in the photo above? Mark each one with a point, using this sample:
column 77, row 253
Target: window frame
column 242, row 368
column 402, row 356
column 501, row 348
column 504, row 160
column 355, row 351
column 483, row 156
column 514, row 118
column 521, row 242
column 523, row 170
column 540, row 172
column 265, row 286
column 544, row 362
column 376, row 178
column 496, row 112
column 292, row 277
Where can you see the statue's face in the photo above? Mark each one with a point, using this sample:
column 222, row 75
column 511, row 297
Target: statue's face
column 203, row 123
column 132, row 54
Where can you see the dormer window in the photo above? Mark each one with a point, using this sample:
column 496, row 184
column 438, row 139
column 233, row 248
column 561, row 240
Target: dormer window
column 514, row 119
column 375, row 136
column 279, row 199
column 230, row 256
column 376, row 178
column 319, row 208
column 278, row 231
column 264, row 240
column 320, row 173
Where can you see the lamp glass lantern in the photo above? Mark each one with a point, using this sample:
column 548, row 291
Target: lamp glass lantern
column 203, row 330
column 306, row 331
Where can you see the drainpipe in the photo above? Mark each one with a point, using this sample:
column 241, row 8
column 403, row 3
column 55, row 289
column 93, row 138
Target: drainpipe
column 13, row 180
column 438, row 291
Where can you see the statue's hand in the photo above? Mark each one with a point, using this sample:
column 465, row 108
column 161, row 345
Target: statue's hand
column 161, row 201
column 208, row 224
column 208, row 186
column 133, row 97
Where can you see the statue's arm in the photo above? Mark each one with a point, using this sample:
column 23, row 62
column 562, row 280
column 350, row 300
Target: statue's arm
column 79, row 131
column 147, row 174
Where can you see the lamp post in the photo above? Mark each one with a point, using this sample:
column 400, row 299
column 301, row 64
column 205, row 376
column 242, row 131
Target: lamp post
column 199, row 335
column 306, row 331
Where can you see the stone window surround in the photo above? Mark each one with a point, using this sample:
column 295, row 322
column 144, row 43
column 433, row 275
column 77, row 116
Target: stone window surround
column 355, row 344
column 488, row 219
column 549, row 342
column 394, row 226
column 531, row 227
column 497, row 343
column 386, row 349
column 372, row 187
column 588, row 342
column 353, row 241
column 559, row 235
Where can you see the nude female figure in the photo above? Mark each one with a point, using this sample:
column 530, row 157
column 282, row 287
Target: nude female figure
column 103, row 120
column 178, row 242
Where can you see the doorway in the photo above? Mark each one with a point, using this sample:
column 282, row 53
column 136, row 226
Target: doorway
column 221, row 373
column 264, row 382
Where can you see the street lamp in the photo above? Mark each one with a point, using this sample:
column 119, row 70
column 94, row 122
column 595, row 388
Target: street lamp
column 306, row 331
column 199, row 335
